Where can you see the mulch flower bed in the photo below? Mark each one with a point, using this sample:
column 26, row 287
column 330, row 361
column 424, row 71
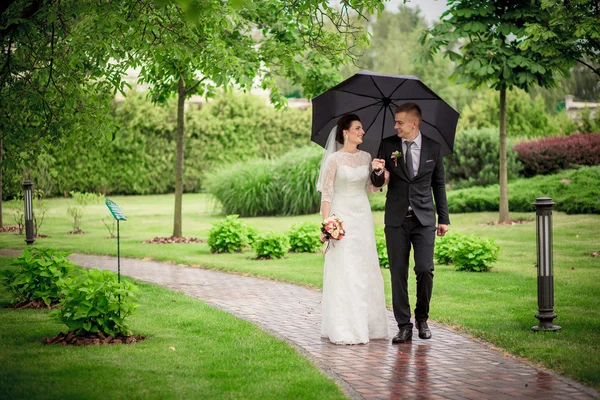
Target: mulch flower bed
column 163, row 240
column 36, row 305
column 511, row 221
column 70, row 339
column 9, row 228
column 595, row 254
column 77, row 232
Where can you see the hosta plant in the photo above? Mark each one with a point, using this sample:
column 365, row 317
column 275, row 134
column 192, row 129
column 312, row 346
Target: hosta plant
column 37, row 276
column 95, row 302
column 271, row 245
column 229, row 235
column 305, row 237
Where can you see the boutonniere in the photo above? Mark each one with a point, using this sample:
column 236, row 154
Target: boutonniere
column 395, row 156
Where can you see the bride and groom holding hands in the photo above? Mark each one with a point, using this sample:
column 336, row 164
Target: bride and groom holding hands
column 411, row 165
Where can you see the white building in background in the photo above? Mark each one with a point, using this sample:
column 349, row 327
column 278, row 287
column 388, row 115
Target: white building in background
column 198, row 101
column 573, row 108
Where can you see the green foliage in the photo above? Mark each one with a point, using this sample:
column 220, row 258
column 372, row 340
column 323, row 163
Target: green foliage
column 95, row 302
column 586, row 123
column 38, row 275
column 493, row 53
column 525, row 117
column 229, row 235
column 141, row 157
column 571, row 31
column 78, row 204
column 384, row 261
column 17, row 210
column 475, row 159
column 271, row 245
column 574, row 191
column 304, row 237
column 282, row 186
column 467, row 252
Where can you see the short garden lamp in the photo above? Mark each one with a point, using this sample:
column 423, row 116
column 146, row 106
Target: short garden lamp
column 27, row 198
column 545, row 313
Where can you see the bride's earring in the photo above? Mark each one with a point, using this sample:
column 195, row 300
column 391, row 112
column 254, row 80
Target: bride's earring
column 345, row 138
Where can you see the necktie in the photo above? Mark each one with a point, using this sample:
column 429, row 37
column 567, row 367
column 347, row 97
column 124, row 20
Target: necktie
column 409, row 163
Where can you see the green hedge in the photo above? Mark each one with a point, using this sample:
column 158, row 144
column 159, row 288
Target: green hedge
column 474, row 161
column 574, row 191
column 139, row 159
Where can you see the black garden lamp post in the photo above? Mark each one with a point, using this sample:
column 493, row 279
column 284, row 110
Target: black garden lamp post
column 27, row 198
column 545, row 313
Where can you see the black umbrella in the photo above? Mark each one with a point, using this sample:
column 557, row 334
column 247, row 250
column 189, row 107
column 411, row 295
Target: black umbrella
column 374, row 97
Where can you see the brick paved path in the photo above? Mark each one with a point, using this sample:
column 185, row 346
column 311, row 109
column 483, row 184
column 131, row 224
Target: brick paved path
column 449, row 366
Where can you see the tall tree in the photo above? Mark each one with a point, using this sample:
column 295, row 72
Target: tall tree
column 492, row 54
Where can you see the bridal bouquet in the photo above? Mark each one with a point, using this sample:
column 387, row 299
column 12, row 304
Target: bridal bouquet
column 332, row 228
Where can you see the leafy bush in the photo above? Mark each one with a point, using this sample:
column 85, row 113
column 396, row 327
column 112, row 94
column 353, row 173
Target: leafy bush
column 282, row 186
column 304, row 237
column 475, row 159
column 384, row 262
column 574, row 191
column 550, row 155
column 228, row 235
column 445, row 246
column 467, row 252
column 271, row 245
column 38, row 273
column 96, row 302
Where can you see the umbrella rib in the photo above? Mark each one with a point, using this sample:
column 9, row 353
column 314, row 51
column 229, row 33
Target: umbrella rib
column 357, row 109
column 434, row 127
column 397, row 87
column 373, row 80
column 375, row 119
column 357, row 94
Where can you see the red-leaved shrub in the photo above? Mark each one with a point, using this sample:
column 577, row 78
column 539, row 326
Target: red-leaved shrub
column 549, row 155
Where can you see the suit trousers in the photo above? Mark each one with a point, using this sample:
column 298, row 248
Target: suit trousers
column 399, row 241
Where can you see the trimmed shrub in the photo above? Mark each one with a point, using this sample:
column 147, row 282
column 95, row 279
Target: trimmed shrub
column 574, row 191
column 282, row 186
column 475, row 159
column 467, row 252
column 305, row 237
column 550, row 155
column 96, row 302
column 38, row 275
column 270, row 245
column 228, row 235
column 384, row 262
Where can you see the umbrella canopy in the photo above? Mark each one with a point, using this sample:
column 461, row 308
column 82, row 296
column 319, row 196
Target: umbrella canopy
column 374, row 97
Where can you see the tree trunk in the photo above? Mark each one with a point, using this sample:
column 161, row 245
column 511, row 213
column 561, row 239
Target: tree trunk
column 503, row 167
column 1, row 144
column 179, row 159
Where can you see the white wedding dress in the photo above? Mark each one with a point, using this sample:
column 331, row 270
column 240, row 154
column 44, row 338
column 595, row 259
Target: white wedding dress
column 353, row 298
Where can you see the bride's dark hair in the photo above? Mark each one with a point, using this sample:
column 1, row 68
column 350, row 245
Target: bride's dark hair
column 344, row 123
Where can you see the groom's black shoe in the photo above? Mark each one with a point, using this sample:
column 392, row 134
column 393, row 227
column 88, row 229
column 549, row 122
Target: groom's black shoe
column 405, row 335
column 424, row 331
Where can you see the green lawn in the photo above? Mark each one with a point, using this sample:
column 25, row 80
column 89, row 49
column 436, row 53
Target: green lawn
column 498, row 307
column 192, row 351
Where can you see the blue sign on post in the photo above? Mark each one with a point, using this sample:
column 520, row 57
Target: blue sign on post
column 115, row 210
column 119, row 216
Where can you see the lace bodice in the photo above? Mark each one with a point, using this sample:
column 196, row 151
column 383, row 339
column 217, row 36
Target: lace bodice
column 352, row 180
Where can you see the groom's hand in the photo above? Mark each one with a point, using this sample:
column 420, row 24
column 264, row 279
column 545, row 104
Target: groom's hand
column 442, row 229
column 377, row 164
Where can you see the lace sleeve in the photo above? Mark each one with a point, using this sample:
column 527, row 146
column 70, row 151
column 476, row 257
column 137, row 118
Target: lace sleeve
column 370, row 187
column 328, row 178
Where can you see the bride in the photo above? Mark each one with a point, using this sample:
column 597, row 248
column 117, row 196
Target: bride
column 353, row 299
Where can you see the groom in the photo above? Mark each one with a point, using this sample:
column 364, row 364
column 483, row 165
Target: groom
column 416, row 170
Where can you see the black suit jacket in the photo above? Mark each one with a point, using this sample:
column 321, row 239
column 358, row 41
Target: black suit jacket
column 403, row 191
